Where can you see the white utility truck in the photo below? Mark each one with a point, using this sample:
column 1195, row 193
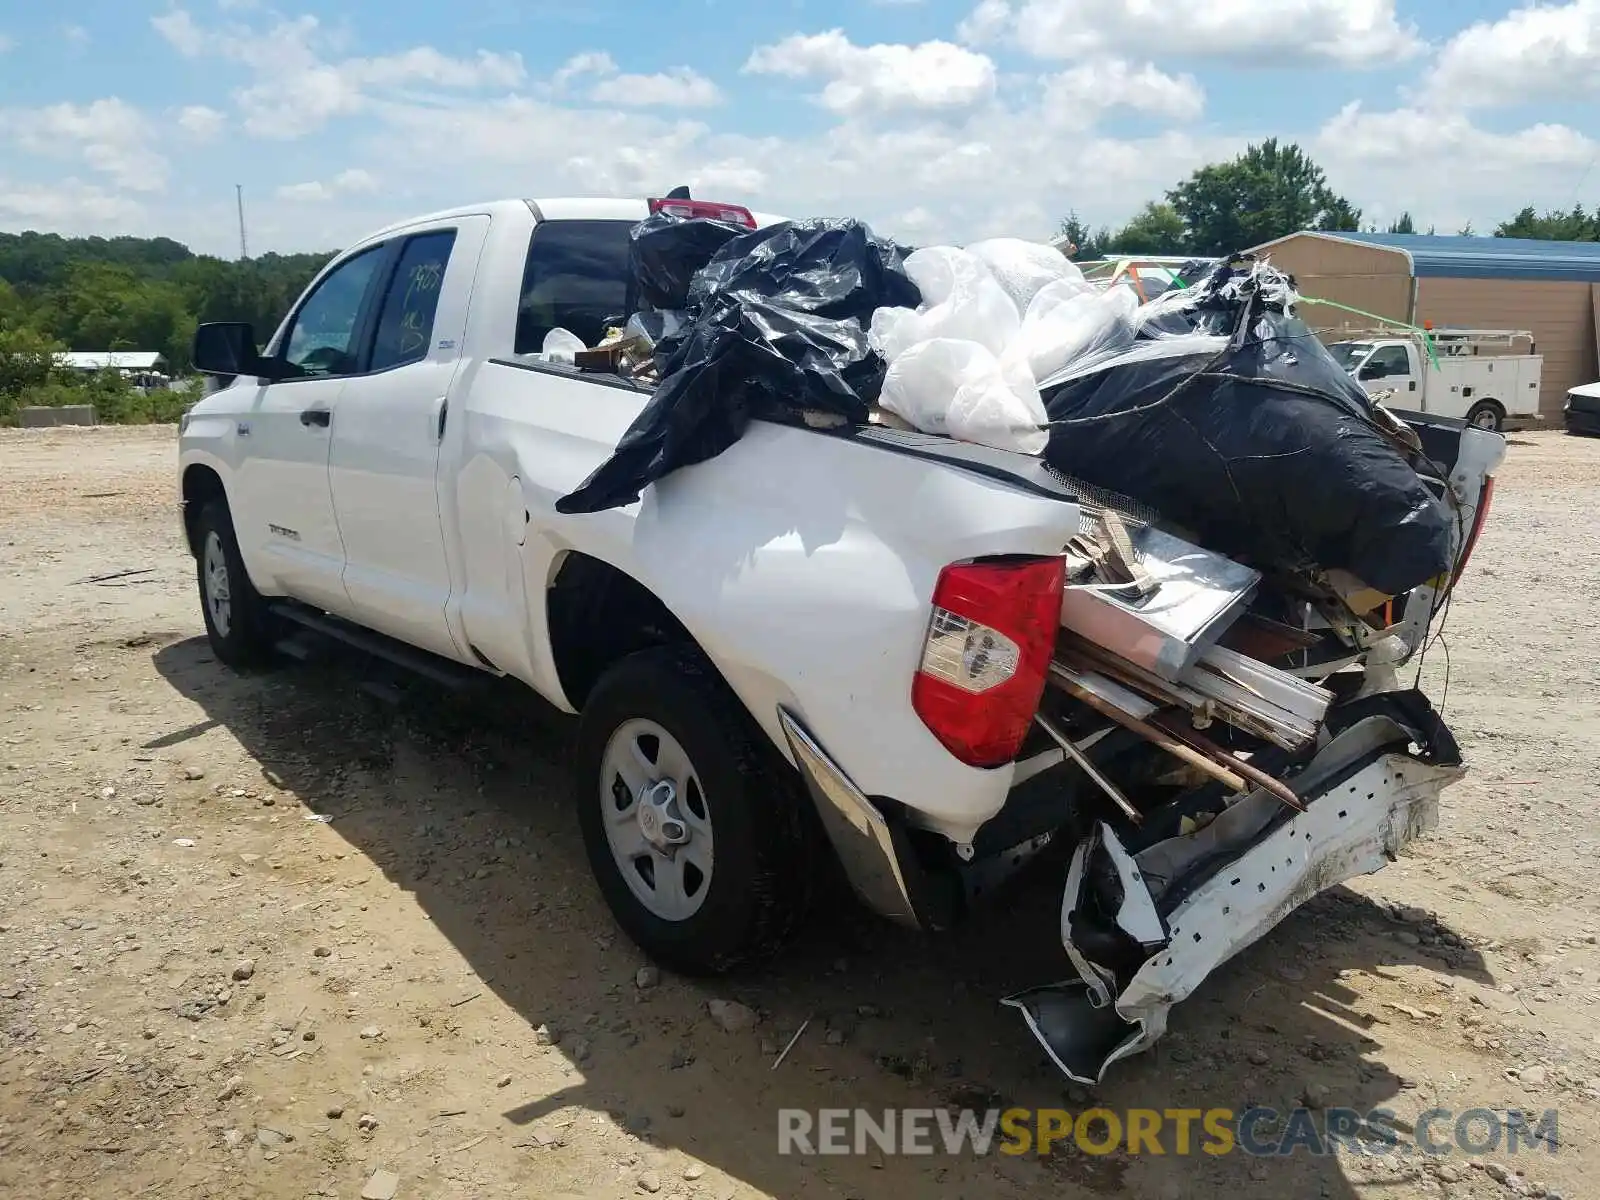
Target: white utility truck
column 833, row 641
column 1473, row 375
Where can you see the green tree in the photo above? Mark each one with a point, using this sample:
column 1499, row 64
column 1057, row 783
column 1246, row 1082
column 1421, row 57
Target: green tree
column 100, row 306
column 1155, row 229
column 89, row 291
column 1268, row 192
column 1404, row 225
column 27, row 362
column 1090, row 245
column 1556, row 226
column 124, row 293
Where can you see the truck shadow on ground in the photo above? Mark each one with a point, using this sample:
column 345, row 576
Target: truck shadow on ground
column 465, row 803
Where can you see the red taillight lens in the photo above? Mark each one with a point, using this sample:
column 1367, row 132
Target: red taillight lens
column 733, row 214
column 1478, row 520
column 987, row 655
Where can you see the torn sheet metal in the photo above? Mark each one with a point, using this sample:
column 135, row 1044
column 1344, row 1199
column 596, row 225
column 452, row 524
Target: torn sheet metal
column 1197, row 595
column 1144, row 929
column 1263, row 700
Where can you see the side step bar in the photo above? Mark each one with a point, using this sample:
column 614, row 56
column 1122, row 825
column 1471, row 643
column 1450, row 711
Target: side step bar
column 439, row 670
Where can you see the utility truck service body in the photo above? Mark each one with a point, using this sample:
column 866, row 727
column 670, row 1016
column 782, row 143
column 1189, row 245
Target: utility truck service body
column 816, row 642
column 1472, row 375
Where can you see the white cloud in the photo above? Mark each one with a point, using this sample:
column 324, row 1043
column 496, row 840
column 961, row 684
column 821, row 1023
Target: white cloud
column 590, row 62
column 680, row 87
column 355, row 180
column 108, row 135
column 929, row 75
column 424, row 64
column 1444, row 169
column 68, row 204
column 200, row 122
column 994, row 171
column 923, row 140
column 182, row 34
column 1100, row 85
column 677, row 88
column 295, row 90
column 5, row 43
column 1533, row 52
column 1353, row 33
column 347, row 183
column 77, row 35
column 308, row 192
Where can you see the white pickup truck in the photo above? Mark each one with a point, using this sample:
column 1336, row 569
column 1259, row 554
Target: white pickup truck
column 816, row 641
column 1471, row 375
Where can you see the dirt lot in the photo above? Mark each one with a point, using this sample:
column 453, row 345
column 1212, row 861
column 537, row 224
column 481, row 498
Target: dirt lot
column 264, row 935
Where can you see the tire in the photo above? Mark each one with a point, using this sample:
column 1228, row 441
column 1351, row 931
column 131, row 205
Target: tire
column 238, row 625
column 735, row 896
column 1487, row 414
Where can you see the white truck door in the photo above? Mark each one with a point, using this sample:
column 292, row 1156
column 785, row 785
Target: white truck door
column 283, row 509
column 385, row 454
column 1393, row 365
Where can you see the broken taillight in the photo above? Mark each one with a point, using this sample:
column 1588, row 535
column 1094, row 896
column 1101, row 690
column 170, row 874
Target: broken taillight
column 987, row 654
column 1485, row 499
column 733, row 214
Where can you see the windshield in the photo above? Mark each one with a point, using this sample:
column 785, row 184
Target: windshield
column 1349, row 354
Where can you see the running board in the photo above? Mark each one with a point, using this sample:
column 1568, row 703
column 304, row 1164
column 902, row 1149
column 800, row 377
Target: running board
column 439, row 670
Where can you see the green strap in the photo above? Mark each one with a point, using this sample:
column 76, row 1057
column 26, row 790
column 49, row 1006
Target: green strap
column 1428, row 343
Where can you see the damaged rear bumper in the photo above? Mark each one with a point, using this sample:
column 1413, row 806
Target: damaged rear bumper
column 1145, row 924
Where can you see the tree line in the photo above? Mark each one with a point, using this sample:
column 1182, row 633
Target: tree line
column 124, row 293
column 1269, row 192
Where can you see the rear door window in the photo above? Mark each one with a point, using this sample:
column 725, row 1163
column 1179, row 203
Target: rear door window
column 405, row 323
column 577, row 278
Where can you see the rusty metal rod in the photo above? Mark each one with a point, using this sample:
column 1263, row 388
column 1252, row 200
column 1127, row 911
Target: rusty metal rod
column 1161, row 738
column 1070, row 748
column 1253, row 773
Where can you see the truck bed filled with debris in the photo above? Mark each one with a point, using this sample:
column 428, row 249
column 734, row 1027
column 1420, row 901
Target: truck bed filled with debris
column 1262, row 549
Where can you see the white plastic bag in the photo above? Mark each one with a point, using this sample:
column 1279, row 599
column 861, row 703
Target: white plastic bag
column 1066, row 323
column 560, row 345
column 1023, row 268
column 960, row 299
column 958, row 388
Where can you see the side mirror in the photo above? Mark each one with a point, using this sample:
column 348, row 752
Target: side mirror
column 227, row 348
column 1375, row 371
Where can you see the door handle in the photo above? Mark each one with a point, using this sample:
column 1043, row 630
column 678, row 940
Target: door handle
column 315, row 416
column 1413, row 386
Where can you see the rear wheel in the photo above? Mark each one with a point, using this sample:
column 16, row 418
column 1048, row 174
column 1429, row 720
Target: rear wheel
column 1487, row 414
column 696, row 832
column 237, row 621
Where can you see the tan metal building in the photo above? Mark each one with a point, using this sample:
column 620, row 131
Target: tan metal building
column 1550, row 288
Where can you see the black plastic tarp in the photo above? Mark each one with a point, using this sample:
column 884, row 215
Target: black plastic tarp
column 775, row 326
column 1267, row 450
column 666, row 251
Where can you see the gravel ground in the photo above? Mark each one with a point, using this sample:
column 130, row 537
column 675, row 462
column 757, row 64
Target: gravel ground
column 268, row 935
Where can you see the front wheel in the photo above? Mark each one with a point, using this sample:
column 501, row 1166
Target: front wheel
column 238, row 624
column 696, row 832
column 1487, row 415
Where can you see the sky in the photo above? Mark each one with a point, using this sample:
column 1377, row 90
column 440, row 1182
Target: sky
column 935, row 120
